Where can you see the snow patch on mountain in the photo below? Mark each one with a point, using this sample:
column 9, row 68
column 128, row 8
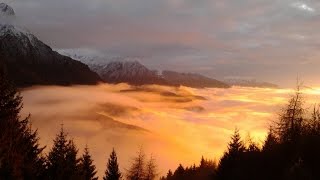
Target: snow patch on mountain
column 9, row 27
column 17, row 31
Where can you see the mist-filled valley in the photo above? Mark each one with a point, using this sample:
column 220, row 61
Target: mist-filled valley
column 168, row 90
column 175, row 124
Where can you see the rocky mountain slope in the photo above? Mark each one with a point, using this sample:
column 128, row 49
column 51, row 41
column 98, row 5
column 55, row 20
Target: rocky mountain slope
column 31, row 62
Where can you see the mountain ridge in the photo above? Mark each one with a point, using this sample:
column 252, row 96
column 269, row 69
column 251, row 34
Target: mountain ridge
column 131, row 71
column 29, row 61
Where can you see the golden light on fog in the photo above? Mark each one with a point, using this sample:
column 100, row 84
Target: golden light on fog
column 177, row 124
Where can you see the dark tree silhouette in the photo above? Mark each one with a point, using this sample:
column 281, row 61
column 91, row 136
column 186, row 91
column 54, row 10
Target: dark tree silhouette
column 205, row 171
column 271, row 141
column 179, row 172
column 20, row 154
column 251, row 145
column 291, row 119
column 112, row 172
column 87, row 170
column 313, row 125
column 169, row 175
column 151, row 169
column 137, row 169
column 62, row 159
column 231, row 159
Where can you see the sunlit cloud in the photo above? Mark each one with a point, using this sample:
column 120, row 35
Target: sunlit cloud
column 303, row 6
column 178, row 125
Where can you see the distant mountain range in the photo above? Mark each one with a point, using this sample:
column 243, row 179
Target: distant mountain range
column 31, row 62
column 119, row 70
column 130, row 70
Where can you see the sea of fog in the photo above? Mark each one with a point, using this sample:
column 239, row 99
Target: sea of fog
column 175, row 125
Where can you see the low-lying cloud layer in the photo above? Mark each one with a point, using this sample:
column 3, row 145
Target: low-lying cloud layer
column 177, row 125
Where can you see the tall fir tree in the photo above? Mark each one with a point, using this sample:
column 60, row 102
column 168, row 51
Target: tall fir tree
column 112, row 172
column 291, row 120
column 87, row 170
column 62, row 159
column 151, row 169
column 137, row 169
column 236, row 146
column 20, row 153
column 271, row 141
column 227, row 168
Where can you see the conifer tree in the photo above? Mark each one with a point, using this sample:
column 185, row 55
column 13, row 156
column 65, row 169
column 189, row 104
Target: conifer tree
column 20, row 154
column 231, row 158
column 87, row 170
column 251, row 146
column 202, row 162
column 137, row 171
column 179, row 173
column 112, row 172
column 151, row 169
column 169, row 175
column 291, row 120
column 271, row 141
column 314, row 122
column 62, row 159
column 236, row 146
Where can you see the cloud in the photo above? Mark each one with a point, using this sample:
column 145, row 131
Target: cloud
column 116, row 110
column 303, row 6
column 176, row 124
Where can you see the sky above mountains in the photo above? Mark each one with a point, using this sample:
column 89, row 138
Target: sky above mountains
column 272, row 40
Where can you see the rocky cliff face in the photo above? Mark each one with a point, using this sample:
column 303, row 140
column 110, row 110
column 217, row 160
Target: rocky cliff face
column 31, row 62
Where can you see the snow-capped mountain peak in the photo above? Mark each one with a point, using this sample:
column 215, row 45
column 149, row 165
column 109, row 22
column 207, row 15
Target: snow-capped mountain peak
column 29, row 61
column 16, row 31
column 8, row 27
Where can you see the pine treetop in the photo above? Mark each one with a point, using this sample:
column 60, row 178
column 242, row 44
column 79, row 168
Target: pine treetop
column 87, row 168
column 112, row 172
